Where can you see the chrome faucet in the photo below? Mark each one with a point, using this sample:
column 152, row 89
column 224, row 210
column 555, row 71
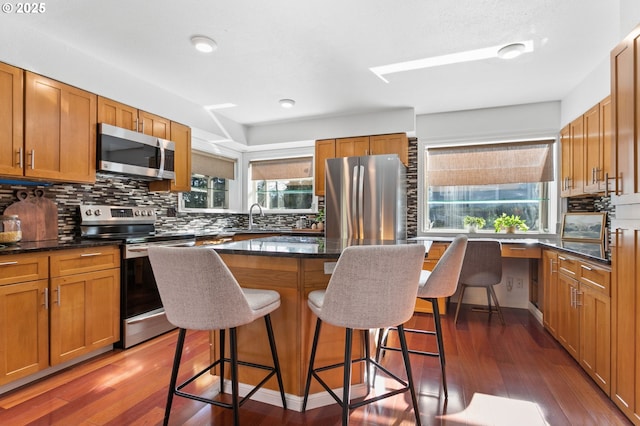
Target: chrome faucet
column 251, row 213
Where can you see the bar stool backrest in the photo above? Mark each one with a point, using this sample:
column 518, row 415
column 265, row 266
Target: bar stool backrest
column 443, row 280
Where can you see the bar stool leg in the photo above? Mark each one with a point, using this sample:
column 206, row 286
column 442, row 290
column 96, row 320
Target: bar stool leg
column 314, row 346
column 174, row 374
column 495, row 299
column 274, row 355
column 222, row 341
column 235, row 400
column 346, row 383
column 455, row 320
column 438, row 327
column 407, row 365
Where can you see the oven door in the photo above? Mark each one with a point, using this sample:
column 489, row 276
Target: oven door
column 143, row 316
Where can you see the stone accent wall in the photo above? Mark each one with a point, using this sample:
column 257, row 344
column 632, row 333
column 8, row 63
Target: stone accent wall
column 412, row 189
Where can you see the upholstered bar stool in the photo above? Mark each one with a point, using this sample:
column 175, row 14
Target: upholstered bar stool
column 439, row 283
column 482, row 268
column 199, row 292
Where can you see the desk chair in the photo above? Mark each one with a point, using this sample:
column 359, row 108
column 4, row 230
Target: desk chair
column 482, row 268
column 199, row 292
column 442, row 282
column 371, row 287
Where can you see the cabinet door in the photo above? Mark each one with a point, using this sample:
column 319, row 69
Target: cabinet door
column 595, row 335
column 396, row 143
column 154, row 125
column 117, row 114
column 592, row 147
column 624, row 77
column 566, row 164
column 550, row 285
column 24, row 330
column 605, row 144
column 325, row 149
column 577, row 180
column 60, row 131
column 352, row 147
column 85, row 311
column 568, row 315
column 11, row 130
column 181, row 136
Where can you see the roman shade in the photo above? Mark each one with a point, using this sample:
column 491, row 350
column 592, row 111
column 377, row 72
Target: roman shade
column 285, row 168
column 212, row 166
column 521, row 162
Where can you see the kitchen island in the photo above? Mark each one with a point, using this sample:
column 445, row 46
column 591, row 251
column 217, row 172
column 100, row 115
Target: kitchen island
column 294, row 266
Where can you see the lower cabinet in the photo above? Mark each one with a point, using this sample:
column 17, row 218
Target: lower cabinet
column 577, row 311
column 55, row 307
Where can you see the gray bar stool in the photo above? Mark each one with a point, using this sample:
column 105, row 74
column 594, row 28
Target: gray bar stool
column 482, row 268
column 371, row 287
column 439, row 283
column 199, row 292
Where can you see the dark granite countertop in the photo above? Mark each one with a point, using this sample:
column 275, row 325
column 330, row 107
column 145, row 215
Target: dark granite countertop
column 299, row 246
column 36, row 246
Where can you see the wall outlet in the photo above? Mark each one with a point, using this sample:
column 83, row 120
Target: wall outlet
column 519, row 283
column 509, row 283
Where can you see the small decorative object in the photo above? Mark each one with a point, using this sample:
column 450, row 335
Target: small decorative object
column 320, row 219
column 583, row 226
column 472, row 223
column 509, row 223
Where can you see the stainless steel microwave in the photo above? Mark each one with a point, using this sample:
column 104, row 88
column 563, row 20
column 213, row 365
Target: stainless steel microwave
column 132, row 153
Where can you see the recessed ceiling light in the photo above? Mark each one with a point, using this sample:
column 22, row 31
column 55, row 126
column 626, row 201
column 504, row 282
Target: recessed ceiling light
column 203, row 44
column 287, row 103
column 453, row 58
column 511, row 51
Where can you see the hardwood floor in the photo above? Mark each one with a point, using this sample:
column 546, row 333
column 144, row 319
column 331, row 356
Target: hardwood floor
column 511, row 375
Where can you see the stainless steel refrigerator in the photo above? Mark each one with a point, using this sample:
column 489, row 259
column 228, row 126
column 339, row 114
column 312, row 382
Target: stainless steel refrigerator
column 365, row 198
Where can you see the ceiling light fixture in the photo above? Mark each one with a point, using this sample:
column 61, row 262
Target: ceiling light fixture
column 511, row 51
column 453, row 58
column 287, row 103
column 203, row 44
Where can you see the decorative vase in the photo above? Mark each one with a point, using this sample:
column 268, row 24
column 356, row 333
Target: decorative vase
column 511, row 229
column 320, row 226
column 471, row 229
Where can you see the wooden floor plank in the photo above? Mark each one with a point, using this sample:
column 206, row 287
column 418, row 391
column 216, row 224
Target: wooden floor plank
column 505, row 365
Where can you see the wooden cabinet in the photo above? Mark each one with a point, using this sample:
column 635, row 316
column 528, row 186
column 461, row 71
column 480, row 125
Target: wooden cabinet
column 11, row 120
column 550, row 291
column 85, row 301
column 394, row 143
column 597, row 144
column 121, row 115
column 572, row 165
column 60, row 131
column 181, row 136
column 325, row 149
column 435, row 253
column 577, row 311
column 24, row 323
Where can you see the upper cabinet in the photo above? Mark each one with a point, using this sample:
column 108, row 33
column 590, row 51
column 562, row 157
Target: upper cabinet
column 395, row 143
column 585, row 146
column 325, row 149
column 181, row 136
column 60, row 131
column 121, row 115
column 11, row 120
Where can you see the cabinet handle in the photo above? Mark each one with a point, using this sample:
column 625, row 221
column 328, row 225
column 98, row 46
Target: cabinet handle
column 33, row 159
column 137, row 126
column 573, row 293
column 561, row 258
column 58, row 295
column 517, row 248
column 46, row 298
column 8, row 263
column 90, row 254
column 551, row 262
column 20, row 161
column 142, row 122
column 586, row 267
column 578, row 302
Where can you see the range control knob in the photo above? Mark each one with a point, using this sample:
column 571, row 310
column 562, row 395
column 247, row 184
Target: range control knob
column 137, row 213
column 97, row 212
column 88, row 212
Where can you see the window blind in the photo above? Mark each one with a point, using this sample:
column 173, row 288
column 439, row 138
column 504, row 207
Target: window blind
column 213, row 166
column 286, row 168
column 521, row 162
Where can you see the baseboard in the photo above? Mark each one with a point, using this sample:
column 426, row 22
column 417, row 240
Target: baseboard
column 535, row 312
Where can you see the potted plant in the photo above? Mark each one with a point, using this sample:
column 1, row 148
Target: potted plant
column 509, row 223
column 320, row 219
column 472, row 223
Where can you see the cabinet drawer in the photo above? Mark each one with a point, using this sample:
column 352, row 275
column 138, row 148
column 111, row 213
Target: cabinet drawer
column 436, row 250
column 77, row 261
column 23, row 267
column 595, row 276
column 521, row 250
column 568, row 265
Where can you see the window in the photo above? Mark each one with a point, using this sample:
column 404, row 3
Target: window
column 209, row 183
column 284, row 184
column 486, row 181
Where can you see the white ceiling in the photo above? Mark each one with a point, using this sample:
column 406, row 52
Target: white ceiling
column 318, row 52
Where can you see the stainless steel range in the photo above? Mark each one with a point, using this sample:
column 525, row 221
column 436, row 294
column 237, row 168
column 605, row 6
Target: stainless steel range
column 141, row 309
